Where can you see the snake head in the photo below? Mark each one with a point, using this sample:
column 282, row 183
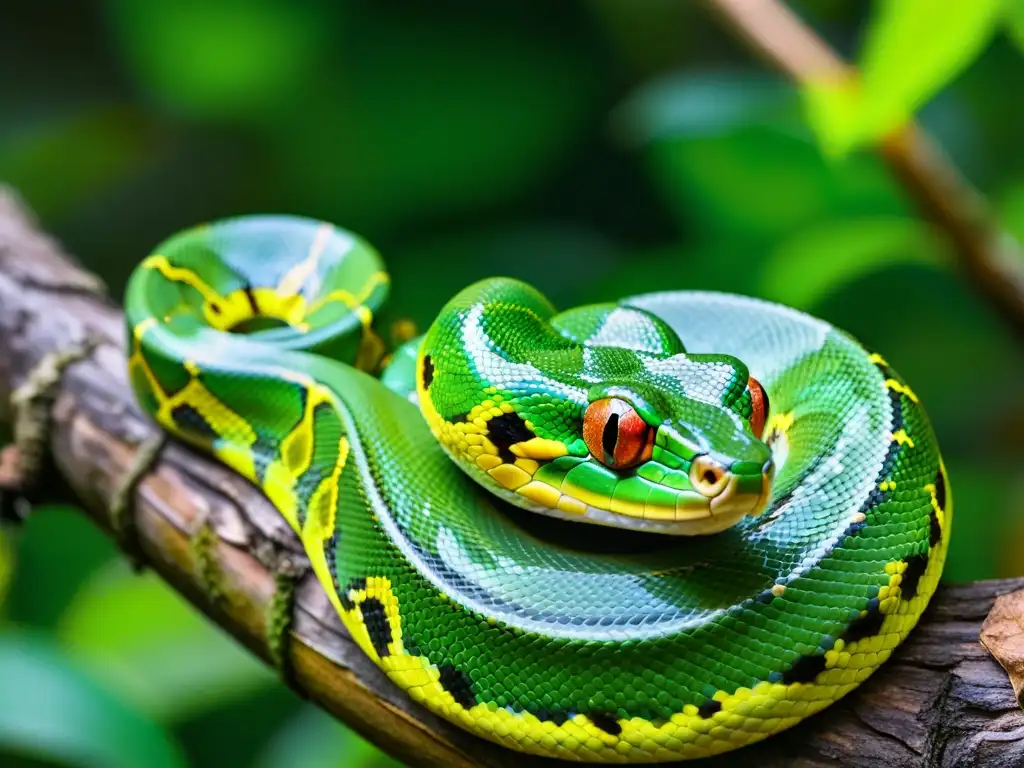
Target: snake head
column 674, row 462
column 595, row 415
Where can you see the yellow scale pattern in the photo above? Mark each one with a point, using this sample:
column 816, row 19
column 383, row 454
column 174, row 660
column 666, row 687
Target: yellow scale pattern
column 742, row 717
column 237, row 436
column 468, row 439
column 282, row 302
column 238, row 452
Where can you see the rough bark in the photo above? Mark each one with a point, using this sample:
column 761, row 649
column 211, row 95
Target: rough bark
column 940, row 701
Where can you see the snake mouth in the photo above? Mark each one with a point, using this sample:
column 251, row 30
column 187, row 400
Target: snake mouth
column 670, row 493
column 717, row 496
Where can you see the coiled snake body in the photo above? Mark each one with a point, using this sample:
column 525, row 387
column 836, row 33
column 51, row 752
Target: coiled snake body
column 797, row 470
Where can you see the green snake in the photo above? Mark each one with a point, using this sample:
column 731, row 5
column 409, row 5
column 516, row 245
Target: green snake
column 438, row 486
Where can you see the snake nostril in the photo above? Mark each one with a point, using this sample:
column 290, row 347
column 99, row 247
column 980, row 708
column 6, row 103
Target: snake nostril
column 708, row 476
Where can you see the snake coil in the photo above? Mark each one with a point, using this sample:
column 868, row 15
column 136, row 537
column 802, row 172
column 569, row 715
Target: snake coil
column 765, row 511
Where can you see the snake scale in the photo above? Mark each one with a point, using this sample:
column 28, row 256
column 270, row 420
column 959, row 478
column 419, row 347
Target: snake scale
column 765, row 513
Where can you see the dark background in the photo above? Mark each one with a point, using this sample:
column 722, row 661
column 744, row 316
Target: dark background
column 595, row 149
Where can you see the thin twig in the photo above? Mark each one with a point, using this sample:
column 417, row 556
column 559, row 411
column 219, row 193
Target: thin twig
column 986, row 254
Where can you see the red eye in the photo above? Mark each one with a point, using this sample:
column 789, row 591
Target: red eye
column 616, row 435
column 758, row 406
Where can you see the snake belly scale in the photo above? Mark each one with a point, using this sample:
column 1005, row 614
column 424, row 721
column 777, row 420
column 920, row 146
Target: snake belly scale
column 652, row 530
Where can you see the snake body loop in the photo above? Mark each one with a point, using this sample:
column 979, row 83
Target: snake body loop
column 789, row 508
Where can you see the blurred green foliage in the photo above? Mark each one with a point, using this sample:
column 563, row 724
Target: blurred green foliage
column 890, row 88
column 595, row 148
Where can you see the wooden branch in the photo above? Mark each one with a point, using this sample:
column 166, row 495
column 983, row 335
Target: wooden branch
column 941, row 700
column 988, row 256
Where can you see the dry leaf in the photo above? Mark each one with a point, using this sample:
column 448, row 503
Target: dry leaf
column 1003, row 635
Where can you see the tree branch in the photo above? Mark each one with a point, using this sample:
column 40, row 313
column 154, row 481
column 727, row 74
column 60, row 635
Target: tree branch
column 987, row 255
column 941, row 700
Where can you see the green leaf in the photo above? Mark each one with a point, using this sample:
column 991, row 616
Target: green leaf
column 430, row 119
column 832, row 108
column 712, row 265
column 736, row 160
column 54, row 534
column 525, row 251
column 1010, row 204
column 912, row 49
column 51, row 709
column 974, row 550
column 1015, row 21
column 154, row 648
column 705, row 104
column 57, row 165
column 220, row 58
column 819, row 260
column 312, row 739
column 648, row 37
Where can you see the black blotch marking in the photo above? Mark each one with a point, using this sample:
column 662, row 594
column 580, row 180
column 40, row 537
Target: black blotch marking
column 887, row 372
column 896, row 398
column 934, row 530
column 610, row 436
column 555, row 717
column 428, row 371
column 329, row 548
column 940, row 490
column 916, row 565
column 460, row 418
column 190, row 420
column 458, row 684
column 214, row 307
column 890, row 458
column 506, row 430
column 606, row 723
column 377, row 625
column 876, row 497
column 252, row 299
column 709, row 707
column 868, row 625
column 853, row 529
column 356, row 585
column 804, row 670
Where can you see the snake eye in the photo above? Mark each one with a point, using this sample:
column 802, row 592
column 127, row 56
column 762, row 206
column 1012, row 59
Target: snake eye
column 616, row 435
column 758, row 406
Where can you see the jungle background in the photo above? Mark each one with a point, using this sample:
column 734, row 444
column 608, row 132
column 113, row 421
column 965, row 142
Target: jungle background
column 594, row 148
